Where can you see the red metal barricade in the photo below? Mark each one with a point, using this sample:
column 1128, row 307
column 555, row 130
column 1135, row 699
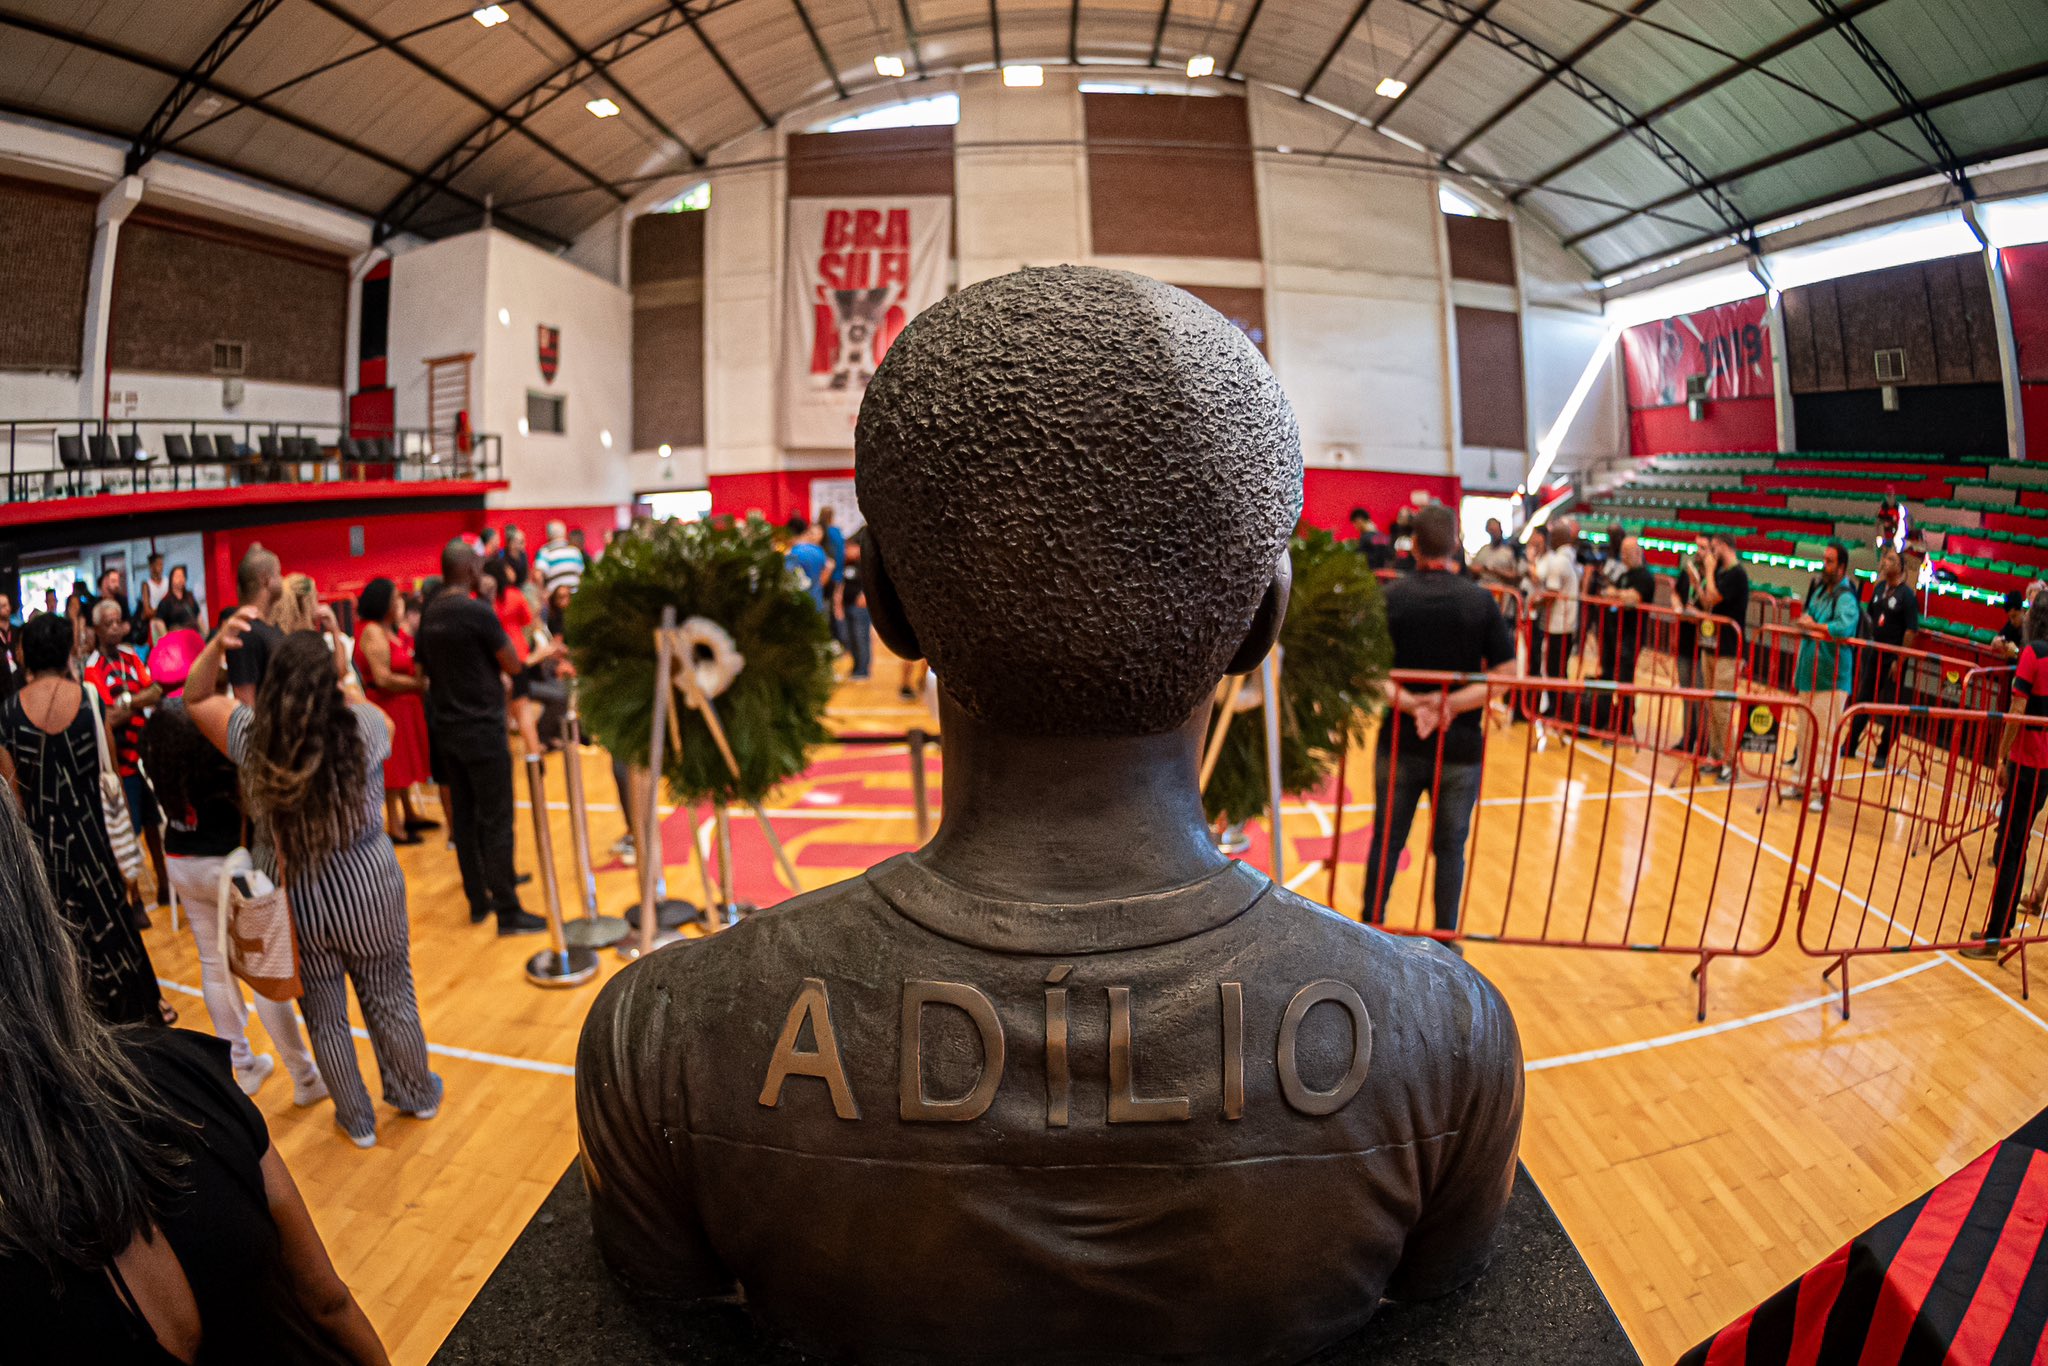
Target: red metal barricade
column 1947, row 858
column 1676, row 865
column 1636, row 644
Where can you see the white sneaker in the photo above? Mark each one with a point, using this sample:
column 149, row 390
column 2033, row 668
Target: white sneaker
column 309, row 1092
column 368, row 1140
column 1816, row 805
column 440, row 1089
column 252, row 1077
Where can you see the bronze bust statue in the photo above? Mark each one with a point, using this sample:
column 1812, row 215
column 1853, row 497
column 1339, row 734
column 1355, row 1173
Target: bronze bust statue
column 1065, row 1085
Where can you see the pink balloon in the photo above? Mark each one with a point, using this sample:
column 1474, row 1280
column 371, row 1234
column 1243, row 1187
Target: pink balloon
column 172, row 657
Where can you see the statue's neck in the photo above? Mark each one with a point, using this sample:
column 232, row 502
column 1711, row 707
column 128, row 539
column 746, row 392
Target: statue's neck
column 1030, row 818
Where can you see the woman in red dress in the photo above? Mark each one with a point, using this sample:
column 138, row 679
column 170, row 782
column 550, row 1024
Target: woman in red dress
column 383, row 658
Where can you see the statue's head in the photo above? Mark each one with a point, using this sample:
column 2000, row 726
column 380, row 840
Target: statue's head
column 1079, row 486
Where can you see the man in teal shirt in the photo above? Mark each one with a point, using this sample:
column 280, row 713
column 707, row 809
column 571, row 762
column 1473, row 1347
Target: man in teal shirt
column 1826, row 669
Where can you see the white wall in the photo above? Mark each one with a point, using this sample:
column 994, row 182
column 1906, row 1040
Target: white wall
column 446, row 299
column 1355, row 296
column 743, row 242
column 595, row 376
column 1025, row 205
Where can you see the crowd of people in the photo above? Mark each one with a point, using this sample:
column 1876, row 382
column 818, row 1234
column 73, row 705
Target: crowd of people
column 145, row 753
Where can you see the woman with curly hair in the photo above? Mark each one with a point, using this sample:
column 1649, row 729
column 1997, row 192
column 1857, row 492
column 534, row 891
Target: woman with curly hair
column 311, row 759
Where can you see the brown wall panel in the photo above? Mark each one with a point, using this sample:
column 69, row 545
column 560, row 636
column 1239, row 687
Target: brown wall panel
column 1244, row 307
column 1799, row 362
column 180, row 285
column 1490, row 410
column 1482, row 249
column 1171, row 175
column 668, row 330
column 45, row 257
column 1937, row 312
column 876, row 161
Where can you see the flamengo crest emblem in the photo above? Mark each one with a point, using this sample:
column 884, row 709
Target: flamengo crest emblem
column 550, row 351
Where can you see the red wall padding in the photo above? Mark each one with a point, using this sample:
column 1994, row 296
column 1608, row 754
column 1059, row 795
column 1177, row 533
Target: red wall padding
column 2034, row 407
column 404, row 547
column 775, row 494
column 1329, row 495
column 1731, row 424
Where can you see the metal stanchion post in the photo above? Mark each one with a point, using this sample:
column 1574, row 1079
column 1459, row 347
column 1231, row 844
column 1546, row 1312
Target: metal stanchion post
column 651, row 935
column 730, row 904
column 558, row 965
column 591, row 930
column 916, row 737
column 1270, row 673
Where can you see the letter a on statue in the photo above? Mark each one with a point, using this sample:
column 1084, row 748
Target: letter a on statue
column 813, row 1004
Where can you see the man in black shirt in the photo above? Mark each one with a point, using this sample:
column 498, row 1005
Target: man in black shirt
column 1441, row 622
column 1893, row 614
column 1723, row 595
column 2012, row 637
column 259, row 583
column 467, row 656
column 1626, row 586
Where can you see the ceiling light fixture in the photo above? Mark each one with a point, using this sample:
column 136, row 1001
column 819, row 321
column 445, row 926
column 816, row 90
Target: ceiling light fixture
column 1390, row 88
column 666, row 450
column 490, row 16
column 504, row 317
column 604, row 438
column 601, row 107
column 1199, row 67
column 889, row 66
column 1023, row 75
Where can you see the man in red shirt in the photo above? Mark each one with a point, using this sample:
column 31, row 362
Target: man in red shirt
column 126, row 692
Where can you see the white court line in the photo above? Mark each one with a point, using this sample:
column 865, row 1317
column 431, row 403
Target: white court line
column 1985, row 983
column 1708, row 1031
column 553, row 1069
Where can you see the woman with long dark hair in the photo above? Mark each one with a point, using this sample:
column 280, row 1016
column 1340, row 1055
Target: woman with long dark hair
column 312, row 760
column 49, row 755
column 383, row 660
column 145, row 1218
column 197, row 790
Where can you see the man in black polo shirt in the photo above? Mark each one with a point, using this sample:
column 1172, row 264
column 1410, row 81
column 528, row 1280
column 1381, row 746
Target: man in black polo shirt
column 1441, row 622
column 467, row 657
column 1893, row 614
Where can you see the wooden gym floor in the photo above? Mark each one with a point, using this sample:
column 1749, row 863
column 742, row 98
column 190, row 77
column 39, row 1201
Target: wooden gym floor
column 1697, row 1167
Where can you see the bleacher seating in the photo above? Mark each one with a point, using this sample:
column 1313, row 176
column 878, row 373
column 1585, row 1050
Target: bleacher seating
column 1985, row 522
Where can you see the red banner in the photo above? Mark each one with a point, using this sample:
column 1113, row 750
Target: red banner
column 1727, row 343
column 2026, row 289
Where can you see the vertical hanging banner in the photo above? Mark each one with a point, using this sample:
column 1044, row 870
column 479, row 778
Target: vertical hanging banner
column 859, row 270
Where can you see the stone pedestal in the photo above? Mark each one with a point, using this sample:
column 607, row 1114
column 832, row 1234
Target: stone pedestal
column 551, row 1300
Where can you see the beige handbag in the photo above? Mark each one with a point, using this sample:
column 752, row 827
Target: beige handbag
column 256, row 930
column 113, row 798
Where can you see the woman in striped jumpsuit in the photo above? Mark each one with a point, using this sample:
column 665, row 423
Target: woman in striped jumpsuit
column 311, row 760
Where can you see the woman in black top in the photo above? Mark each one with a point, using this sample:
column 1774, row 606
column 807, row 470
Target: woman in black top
column 144, row 1216
column 49, row 755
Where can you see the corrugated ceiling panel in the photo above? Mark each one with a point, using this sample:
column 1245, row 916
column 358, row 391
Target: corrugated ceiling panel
column 1937, row 45
column 68, row 82
column 177, row 33
column 591, row 22
column 1459, row 94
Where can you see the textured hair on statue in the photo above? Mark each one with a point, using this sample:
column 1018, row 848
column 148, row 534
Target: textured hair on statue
column 1080, row 482
column 87, row 1150
column 306, row 769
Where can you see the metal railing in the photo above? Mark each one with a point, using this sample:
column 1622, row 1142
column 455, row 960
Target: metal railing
column 71, row 457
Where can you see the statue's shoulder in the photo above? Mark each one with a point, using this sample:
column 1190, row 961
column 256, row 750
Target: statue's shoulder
column 707, row 978
column 1420, row 978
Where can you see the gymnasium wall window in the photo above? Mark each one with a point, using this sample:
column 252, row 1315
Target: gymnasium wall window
column 696, row 199
column 927, row 113
column 1457, row 205
column 546, row 413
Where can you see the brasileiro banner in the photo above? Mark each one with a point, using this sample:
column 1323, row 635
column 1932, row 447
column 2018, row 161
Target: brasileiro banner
column 859, row 270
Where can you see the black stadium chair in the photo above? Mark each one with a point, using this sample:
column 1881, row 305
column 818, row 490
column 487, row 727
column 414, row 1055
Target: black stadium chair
column 71, row 455
column 102, row 449
column 177, row 449
column 271, row 451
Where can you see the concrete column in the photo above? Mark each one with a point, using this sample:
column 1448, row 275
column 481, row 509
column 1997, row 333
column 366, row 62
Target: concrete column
column 1781, row 366
column 2008, row 347
column 115, row 205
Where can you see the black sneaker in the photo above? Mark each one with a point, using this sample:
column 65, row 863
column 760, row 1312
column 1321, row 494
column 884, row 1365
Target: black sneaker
column 479, row 917
column 521, row 879
column 520, row 922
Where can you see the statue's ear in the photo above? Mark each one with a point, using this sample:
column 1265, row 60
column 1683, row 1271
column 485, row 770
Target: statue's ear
column 884, row 607
column 1265, row 627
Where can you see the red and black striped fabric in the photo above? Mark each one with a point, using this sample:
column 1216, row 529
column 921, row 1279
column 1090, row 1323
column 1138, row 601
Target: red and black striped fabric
column 1958, row 1277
